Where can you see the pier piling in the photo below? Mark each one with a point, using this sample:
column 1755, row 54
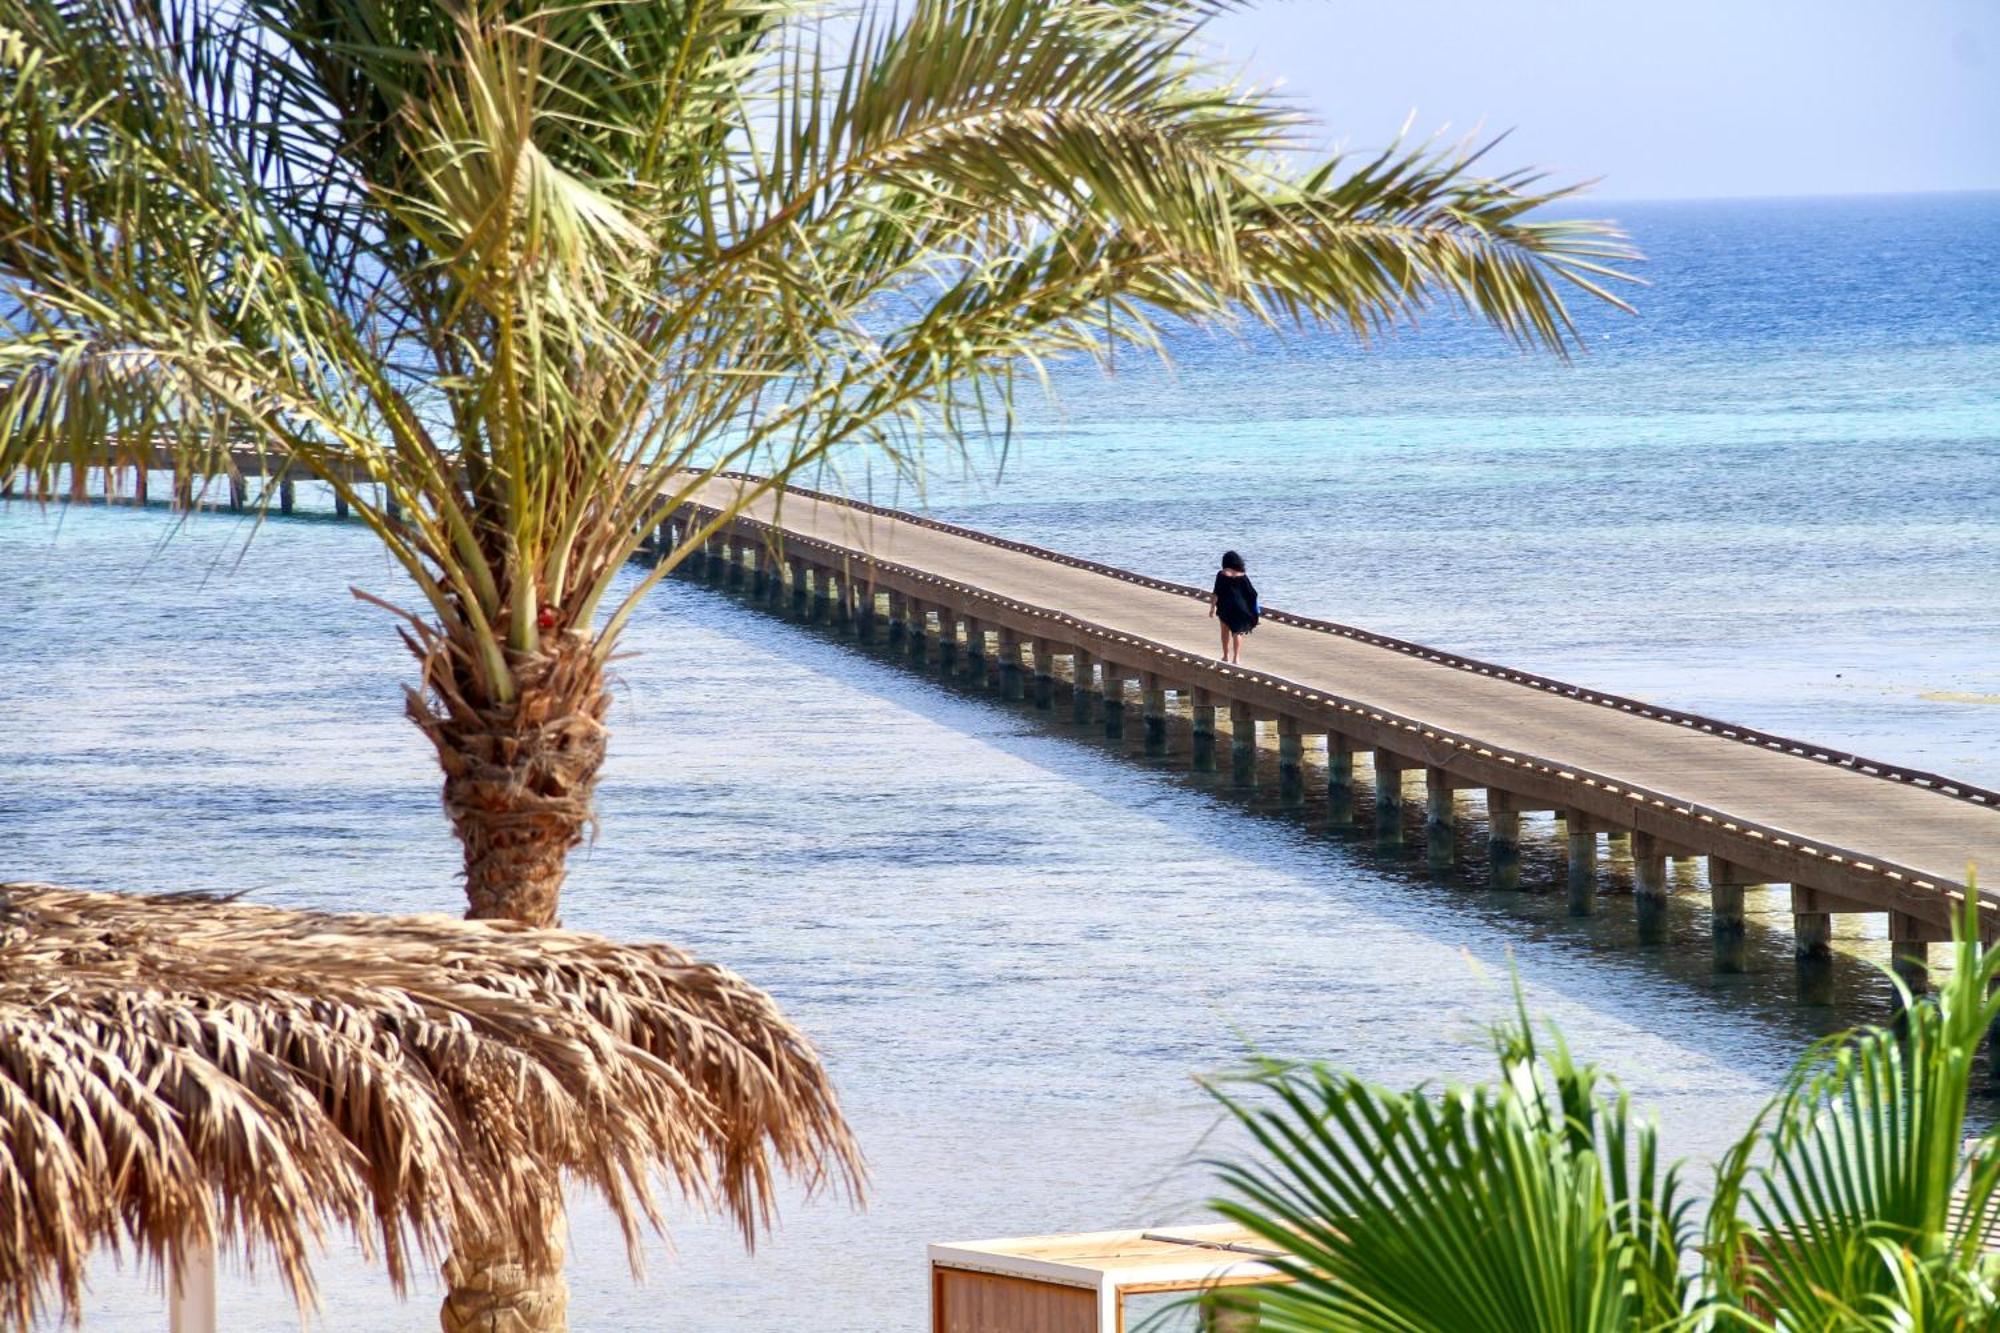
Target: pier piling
column 1910, row 940
column 1726, row 885
column 1388, row 798
column 796, row 567
column 1812, row 925
column 1339, row 778
column 1440, row 821
column 1154, row 703
column 1203, row 743
column 1011, row 688
column 1114, row 702
column 1649, row 887
column 1503, row 838
column 1242, row 744
column 1083, row 681
column 1291, row 760
column 1582, row 863
column 822, row 594
column 947, row 642
column 975, row 653
column 1045, row 675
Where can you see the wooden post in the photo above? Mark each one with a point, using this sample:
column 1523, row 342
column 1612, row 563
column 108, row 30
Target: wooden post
column 140, row 479
column 1204, row 732
column 1154, row 703
column 1440, row 820
column 391, row 505
column 287, row 495
column 916, row 630
column 1726, row 883
column 1114, row 702
column 1084, row 696
column 191, row 1290
column 1812, row 925
column 1242, row 744
column 1339, row 778
column 1045, row 675
column 899, row 619
column 1582, row 863
column 1649, row 887
column 1503, row 838
column 1388, row 797
column 1010, row 666
column 339, row 500
column 79, row 483
column 1291, row 760
column 739, row 560
column 239, row 490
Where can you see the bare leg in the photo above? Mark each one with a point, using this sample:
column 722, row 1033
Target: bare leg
column 1223, row 625
column 1235, row 646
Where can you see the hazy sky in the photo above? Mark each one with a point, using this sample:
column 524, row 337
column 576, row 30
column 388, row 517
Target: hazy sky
column 1661, row 98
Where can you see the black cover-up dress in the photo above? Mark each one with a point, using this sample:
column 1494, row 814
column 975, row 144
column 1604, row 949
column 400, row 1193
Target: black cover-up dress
column 1236, row 602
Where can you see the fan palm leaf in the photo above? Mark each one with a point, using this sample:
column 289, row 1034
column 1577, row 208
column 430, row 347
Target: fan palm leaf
column 1539, row 1201
column 179, row 1072
column 1852, row 1203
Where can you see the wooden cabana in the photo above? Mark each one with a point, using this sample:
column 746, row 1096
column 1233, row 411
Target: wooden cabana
column 1082, row 1283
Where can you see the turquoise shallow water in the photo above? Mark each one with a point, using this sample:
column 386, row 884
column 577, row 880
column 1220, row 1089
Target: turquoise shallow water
column 1771, row 497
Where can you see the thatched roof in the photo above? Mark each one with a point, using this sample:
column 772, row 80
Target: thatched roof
column 184, row 1071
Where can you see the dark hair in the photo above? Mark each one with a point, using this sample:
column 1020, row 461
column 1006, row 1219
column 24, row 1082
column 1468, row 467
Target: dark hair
column 1231, row 560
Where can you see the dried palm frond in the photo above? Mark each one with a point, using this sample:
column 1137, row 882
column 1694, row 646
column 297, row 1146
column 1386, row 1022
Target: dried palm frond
column 182, row 1071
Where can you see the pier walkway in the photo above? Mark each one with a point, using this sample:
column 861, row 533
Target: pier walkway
column 1849, row 835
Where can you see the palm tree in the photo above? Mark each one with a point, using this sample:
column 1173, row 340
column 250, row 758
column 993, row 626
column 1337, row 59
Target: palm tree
column 181, row 1073
column 1850, row 1205
column 509, row 277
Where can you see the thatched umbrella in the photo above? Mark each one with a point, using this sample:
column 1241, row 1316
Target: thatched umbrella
column 181, row 1073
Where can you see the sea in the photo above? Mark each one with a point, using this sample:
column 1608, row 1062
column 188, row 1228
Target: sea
column 1772, row 495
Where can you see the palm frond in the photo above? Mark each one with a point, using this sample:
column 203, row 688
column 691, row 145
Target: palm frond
column 514, row 278
column 1535, row 1202
column 1853, row 1193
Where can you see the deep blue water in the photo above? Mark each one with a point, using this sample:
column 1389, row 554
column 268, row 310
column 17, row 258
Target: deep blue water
column 1772, row 496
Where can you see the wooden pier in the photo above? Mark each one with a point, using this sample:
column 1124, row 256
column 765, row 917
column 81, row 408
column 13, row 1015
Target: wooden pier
column 1848, row 835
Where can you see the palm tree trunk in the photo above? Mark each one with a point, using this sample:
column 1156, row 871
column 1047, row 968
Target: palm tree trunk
column 518, row 779
column 492, row 1291
column 518, row 774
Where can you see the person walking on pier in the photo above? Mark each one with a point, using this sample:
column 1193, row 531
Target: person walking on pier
column 1234, row 604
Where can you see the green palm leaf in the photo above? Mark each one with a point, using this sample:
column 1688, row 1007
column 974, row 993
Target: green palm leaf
column 1852, row 1203
column 1537, row 1202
